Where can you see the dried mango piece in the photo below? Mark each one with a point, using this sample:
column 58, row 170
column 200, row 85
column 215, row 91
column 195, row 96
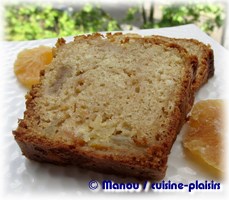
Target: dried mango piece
column 204, row 135
column 30, row 62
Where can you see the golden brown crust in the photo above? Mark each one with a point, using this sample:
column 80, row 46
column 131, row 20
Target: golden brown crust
column 56, row 153
column 210, row 62
column 206, row 64
column 151, row 166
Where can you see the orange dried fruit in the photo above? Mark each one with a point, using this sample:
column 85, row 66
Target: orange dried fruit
column 30, row 62
column 204, row 135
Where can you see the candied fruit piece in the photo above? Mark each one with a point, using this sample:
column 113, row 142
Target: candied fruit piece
column 204, row 135
column 30, row 62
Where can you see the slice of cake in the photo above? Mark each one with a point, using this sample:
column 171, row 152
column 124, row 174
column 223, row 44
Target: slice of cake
column 203, row 52
column 114, row 107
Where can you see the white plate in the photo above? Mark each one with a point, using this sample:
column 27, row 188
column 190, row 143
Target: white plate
column 25, row 177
